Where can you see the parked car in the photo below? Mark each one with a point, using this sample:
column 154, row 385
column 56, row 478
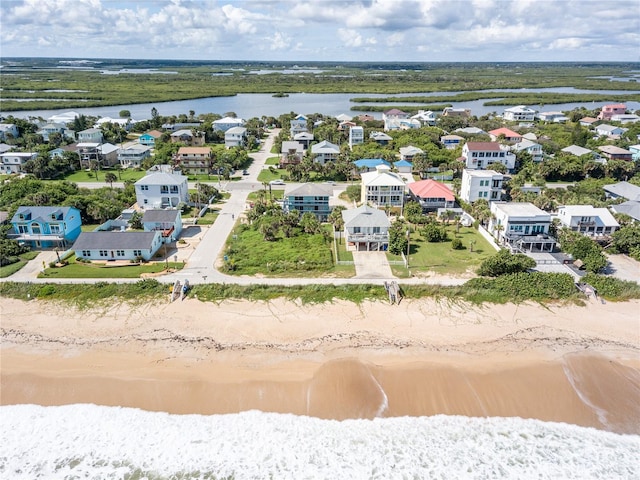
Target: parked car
column 244, row 172
column 278, row 181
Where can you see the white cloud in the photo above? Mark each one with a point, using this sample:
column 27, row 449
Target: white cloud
column 323, row 30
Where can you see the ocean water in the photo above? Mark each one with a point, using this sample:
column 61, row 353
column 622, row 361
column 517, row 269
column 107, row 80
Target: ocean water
column 94, row 442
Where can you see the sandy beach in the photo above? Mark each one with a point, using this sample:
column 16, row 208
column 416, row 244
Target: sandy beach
column 568, row 363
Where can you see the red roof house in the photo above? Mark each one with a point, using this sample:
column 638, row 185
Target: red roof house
column 509, row 135
column 432, row 195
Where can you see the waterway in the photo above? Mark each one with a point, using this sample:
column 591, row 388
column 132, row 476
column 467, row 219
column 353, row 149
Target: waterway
column 334, row 104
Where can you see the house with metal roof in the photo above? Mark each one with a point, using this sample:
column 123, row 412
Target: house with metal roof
column 578, row 151
column 532, row 148
column 304, row 138
column 324, row 152
column 168, row 222
column 13, row 162
column 291, row 153
column 432, row 195
column 624, row 190
column 235, row 137
column 611, row 152
column 308, row 198
column 46, row 227
column 112, row 246
column 161, row 190
column 481, row 184
column 366, row 229
column 382, row 188
column 407, row 153
column 588, row 220
column 451, row 142
column 606, row 130
column 133, row 155
column 369, row 164
column 224, row 124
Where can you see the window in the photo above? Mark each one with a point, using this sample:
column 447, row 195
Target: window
column 174, row 189
column 494, row 195
column 356, row 229
column 86, row 253
column 55, row 228
column 144, row 187
column 137, row 253
column 164, row 189
column 376, row 229
column 120, row 253
column 103, row 253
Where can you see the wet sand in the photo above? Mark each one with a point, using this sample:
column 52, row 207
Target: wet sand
column 567, row 363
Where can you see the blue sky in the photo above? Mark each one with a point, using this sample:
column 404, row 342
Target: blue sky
column 324, row 30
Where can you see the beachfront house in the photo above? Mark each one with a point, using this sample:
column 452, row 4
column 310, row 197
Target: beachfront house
column 161, row 190
column 588, row 220
column 366, row 229
column 481, row 184
column 46, row 227
column 111, row 246
column 167, row 222
column 308, row 198
column 521, row 226
column 432, row 195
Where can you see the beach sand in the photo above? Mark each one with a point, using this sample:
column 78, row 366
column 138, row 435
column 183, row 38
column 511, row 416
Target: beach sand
column 566, row 363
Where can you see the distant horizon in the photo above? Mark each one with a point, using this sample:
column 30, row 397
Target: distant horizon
column 363, row 62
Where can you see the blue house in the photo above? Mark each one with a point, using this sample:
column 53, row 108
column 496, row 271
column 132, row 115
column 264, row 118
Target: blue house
column 149, row 139
column 123, row 246
column 308, row 198
column 46, row 227
column 370, row 164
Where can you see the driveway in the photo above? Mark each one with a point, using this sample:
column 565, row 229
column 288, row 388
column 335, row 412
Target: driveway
column 372, row 265
column 624, row 268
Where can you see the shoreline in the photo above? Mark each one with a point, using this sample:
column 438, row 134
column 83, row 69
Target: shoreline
column 564, row 363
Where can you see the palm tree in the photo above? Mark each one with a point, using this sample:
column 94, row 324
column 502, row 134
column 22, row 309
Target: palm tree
column 110, row 178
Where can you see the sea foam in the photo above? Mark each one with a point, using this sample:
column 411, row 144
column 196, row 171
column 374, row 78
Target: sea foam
column 89, row 441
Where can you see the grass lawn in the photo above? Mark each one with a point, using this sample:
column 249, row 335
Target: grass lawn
column 441, row 258
column 299, row 256
column 209, row 217
column 266, row 175
column 89, row 227
column 272, row 161
column 9, row 270
column 95, row 270
column 84, row 176
column 275, row 194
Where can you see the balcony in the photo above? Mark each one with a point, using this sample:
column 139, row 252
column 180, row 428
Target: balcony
column 367, row 237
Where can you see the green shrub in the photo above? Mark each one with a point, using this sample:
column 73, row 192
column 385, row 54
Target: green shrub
column 456, row 244
column 611, row 287
column 504, row 262
column 433, row 232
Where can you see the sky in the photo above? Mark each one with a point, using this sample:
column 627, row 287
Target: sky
column 324, row 30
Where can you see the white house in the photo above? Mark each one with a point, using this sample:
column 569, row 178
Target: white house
column 555, row 117
column 625, row 118
column 356, row 136
column 224, row 124
column 407, row 153
column 366, row 228
column 133, row 155
column 382, row 187
column 167, row 222
column 298, row 124
column 392, row 118
column 481, row 184
column 451, row 141
column 578, row 151
column 522, row 226
column 588, row 220
column 111, row 246
column 520, row 113
column 13, row 162
column 90, row 135
column 425, row 117
column 50, row 128
column 478, row 155
column 161, row 190
column 235, row 137
column 532, row 148
column 8, row 129
column 324, row 152
column 304, row 138
column 609, row 130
